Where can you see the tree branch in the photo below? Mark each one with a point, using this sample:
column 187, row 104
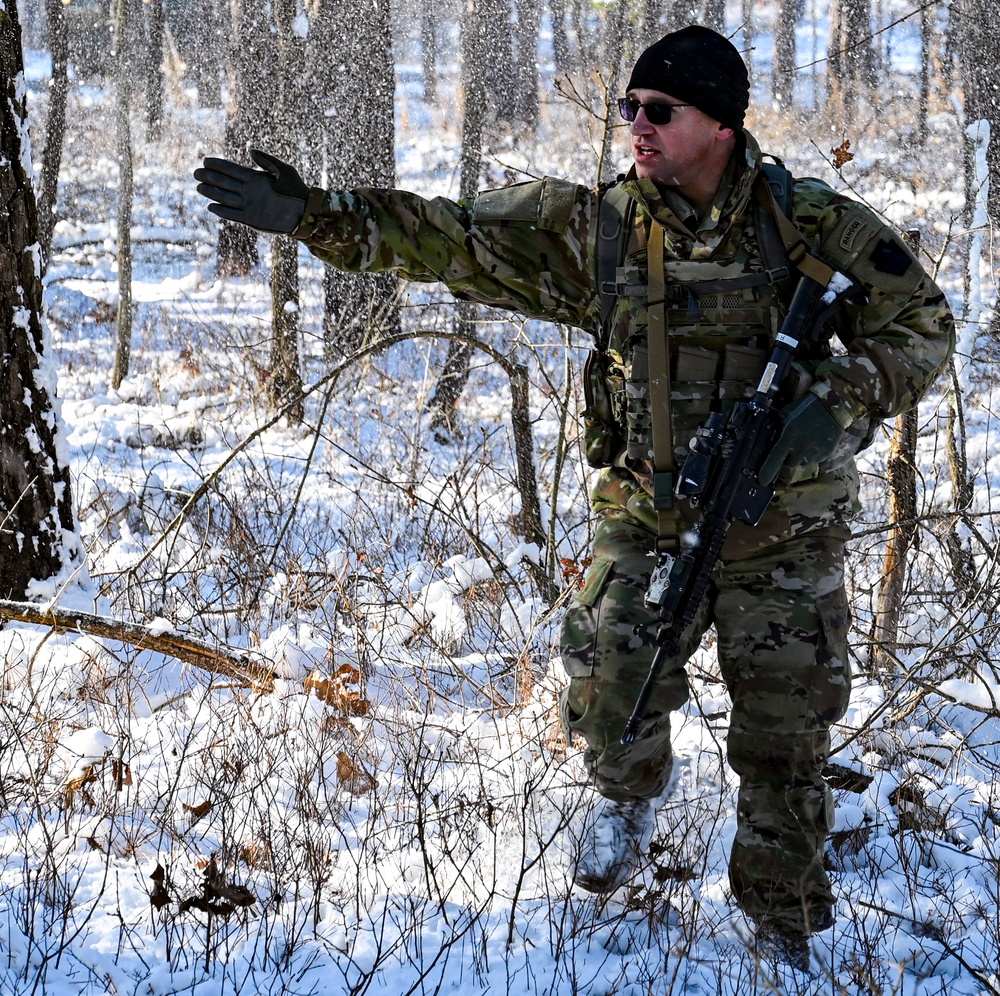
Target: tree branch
column 215, row 660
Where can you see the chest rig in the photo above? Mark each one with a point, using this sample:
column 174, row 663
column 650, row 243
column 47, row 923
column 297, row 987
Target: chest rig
column 682, row 337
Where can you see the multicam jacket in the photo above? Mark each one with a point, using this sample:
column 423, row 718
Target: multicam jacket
column 531, row 248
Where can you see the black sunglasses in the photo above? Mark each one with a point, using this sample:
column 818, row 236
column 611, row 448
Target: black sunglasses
column 657, row 112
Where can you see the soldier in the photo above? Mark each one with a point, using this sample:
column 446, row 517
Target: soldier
column 696, row 196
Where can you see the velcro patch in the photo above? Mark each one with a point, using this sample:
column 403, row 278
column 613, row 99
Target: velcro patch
column 515, row 203
column 557, row 204
column 890, row 257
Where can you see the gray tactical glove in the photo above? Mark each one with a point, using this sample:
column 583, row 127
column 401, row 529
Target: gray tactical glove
column 809, row 434
column 270, row 201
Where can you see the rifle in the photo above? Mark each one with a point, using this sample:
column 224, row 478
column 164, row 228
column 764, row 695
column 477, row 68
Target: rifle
column 720, row 476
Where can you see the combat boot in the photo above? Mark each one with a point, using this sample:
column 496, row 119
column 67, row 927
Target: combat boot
column 778, row 941
column 611, row 839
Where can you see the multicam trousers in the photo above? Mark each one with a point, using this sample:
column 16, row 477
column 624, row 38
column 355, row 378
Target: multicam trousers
column 781, row 617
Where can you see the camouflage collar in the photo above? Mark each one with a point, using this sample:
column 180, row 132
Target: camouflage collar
column 673, row 211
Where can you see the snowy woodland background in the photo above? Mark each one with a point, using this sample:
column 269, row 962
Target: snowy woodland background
column 301, row 737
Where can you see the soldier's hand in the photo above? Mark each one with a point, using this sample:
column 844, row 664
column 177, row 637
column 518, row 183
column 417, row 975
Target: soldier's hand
column 270, row 199
column 809, row 434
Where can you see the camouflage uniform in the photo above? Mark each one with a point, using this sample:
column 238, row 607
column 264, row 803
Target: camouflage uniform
column 777, row 600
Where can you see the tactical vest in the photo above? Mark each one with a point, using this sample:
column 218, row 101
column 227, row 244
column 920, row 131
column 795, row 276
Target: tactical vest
column 722, row 315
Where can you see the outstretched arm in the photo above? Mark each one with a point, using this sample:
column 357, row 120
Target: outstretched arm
column 527, row 248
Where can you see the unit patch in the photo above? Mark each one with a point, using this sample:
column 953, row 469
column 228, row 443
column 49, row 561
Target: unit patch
column 890, row 257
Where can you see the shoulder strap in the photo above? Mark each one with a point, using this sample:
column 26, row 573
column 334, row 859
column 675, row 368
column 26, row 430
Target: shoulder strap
column 772, row 192
column 779, row 179
column 772, row 248
column 615, row 215
column 659, row 396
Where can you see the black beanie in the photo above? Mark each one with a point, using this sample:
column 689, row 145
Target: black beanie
column 697, row 66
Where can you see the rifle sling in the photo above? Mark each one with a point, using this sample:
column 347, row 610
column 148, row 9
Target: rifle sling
column 659, row 396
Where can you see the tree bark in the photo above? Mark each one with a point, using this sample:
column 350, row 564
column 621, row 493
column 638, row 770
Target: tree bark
column 285, row 379
column 783, row 82
column 253, row 91
column 902, row 480
column 123, row 321
column 455, row 373
column 851, row 61
column 979, row 48
column 428, row 49
column 55, row 126
column 615, row 26
column 356, row 147
column 562, row 50
column 526, row 78
column 154, row 69
column 212, row 659
column 199, row 32
column 38, row 537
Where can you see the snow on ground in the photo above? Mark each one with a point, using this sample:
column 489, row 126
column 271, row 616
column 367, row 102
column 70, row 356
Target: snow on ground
column 395, row 814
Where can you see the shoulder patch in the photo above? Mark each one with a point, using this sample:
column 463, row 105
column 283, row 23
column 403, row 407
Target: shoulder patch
column 890, row 257
column 852, row 233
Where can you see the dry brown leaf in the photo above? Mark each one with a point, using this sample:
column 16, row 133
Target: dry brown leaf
column 79, row 785
column 121, row 773
column 353, row 777
column 334, row 691
column 197, row 812
column 160, row 895
column 841, row 156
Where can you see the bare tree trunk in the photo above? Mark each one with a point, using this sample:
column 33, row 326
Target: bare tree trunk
column 455, row 374
column 526, row 78
column 253, row 92
column 902, row 480
column 285, row 379
column 357, row 150
column 851, row 61
column 37, row 526
column 154, row 70
column 715, row 15
column 497, row 55
column 55, row 126
column 783, row 83
column 979, row 47
column 428, row 49
column 901, row 476
column 652, row 17
column 200, row 34
column 746, row 14
column 926, row 43
column 123, row 322
column 561, row 48
column 606, row 167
